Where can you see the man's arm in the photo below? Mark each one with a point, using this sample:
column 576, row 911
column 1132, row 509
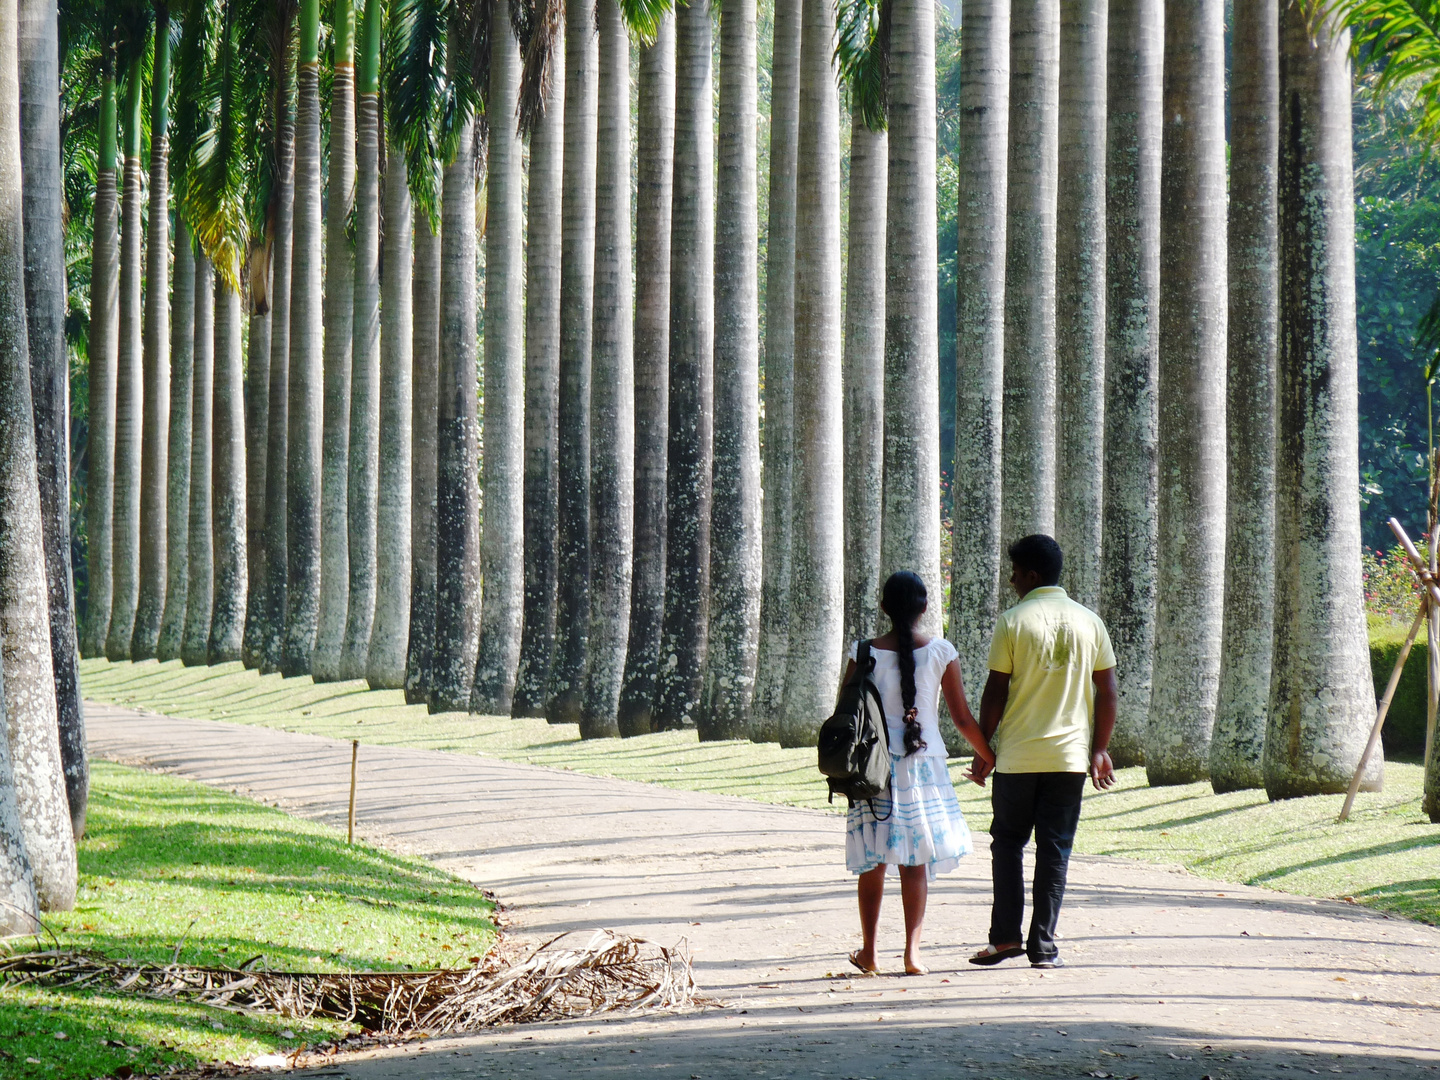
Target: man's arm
column 992, row 702
column 1107, row 696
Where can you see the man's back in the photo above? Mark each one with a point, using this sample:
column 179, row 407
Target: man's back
column 1050, row 646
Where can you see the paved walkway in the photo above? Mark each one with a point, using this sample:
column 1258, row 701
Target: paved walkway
column 1169, row 975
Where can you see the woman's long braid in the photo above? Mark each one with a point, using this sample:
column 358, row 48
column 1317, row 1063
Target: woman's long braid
column 904, row 599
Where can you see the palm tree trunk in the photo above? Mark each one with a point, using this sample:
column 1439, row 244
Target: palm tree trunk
column 339, row 328
column 45, row 298
column 457, row 489
column 154, row 454
column 390, row 634
column 502, row 548
column 735, row 545
column 565, row 691
column 692, row 328
column 19, row 907
column 103, row 348
column 778, row 466
column 612, row 390
column 1237, row 743
column 420, row 654
column 227, row 619
column 1191, row 584
column 1028, row 486
column 200, row 587
column 817, row 558
column 977, row 544
column 257, row 426
column 656, row 156
column 1322, row 699
column 29, row 677
column 129, row 390
column 1132, row 359
column 306, row 373
column 863, row 367
column 177, row 510
column 365, row 364
column 1080, row 297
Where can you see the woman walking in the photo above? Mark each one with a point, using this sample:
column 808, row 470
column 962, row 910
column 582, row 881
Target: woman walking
column 917, row 826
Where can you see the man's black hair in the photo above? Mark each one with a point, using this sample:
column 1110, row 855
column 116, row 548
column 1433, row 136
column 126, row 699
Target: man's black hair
column 1039, row 553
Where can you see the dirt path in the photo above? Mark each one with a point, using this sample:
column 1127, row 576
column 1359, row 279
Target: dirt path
column 1169, row 975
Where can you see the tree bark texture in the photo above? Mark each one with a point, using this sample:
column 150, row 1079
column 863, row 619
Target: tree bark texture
column 692, row 349
column 1322, row 698
column 817, row 558
column 735, row 545
column 502, row 541
column 777, row 474
column 542, row 394
column 390, row 634
column 257, row 422
column 457, row 487
column 656, row 153
column 1191, row 583
column 305, row 378
column 565, row 691
column 425, row 372
column 864, row 379
column 32, row 728
column 1132, row 360
column 177, row 512
column 45, row 299
column 977, row 546
column 1028, row 496
column 1237, row 744
column 1080, row 297
column 200, row 583
column 19, row 907
column 227, row 617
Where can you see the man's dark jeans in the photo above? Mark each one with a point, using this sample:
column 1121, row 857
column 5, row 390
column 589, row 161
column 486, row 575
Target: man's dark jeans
column 1048, row 804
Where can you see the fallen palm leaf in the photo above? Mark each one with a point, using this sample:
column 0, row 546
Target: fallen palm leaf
column 609, row 973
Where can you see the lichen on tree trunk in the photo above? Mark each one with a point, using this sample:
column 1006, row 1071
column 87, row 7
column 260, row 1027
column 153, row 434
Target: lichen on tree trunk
column 177, row 518
column 425, row 294
column 200, row 549
column 227, row 618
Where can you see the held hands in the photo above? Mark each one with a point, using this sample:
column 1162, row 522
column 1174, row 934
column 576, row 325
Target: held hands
column 979, row 769
column 1102, row 770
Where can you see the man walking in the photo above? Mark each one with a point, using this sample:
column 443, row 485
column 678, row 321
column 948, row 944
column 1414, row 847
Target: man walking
column 1048, row 711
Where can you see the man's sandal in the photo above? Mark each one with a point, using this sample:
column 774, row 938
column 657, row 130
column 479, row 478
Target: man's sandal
column 990, row 955
column 855, row 961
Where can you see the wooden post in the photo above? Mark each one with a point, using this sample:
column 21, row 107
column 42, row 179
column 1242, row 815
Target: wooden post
column 354, row 758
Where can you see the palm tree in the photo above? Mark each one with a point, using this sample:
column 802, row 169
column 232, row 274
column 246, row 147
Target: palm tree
column 777, row 467
column 1028, row 441
column 1321, row 696
column 200, row 546
column 256, row 439
column 1238, row 741
column 502, row 550
column 338, row 331
column 19, row 907
column 155, row 434
column 103, row 349
column 177, row 489
column 735, row 546
column 692, row 325
column 302, row 483
column 817, row 582
column 227, row 617
column 542, row 371
column 1080, row 296
column 420, row 651
column 976, row 543
column 612, row 389
column 34, row 761
column 361, row 489
column 1132, row 358
column 655, row 152
column 130, row 371
column 1191, row 582
column 564, row 694
column 45, row 295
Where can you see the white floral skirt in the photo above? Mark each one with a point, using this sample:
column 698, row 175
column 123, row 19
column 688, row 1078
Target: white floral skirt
column 917, row 823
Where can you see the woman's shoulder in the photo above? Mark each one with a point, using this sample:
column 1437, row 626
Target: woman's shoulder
column 941, row 652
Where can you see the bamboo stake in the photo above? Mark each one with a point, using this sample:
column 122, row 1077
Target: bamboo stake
column 354, row 757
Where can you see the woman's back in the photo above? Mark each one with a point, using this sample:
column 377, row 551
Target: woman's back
column 931, row 659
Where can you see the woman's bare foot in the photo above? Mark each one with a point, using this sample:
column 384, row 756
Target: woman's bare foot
column 913, row 966
column 864, row 961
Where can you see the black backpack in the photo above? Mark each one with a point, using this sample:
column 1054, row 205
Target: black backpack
column 854, row 742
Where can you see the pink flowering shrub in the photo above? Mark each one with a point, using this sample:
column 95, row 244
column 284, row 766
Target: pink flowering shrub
column 1392, row 591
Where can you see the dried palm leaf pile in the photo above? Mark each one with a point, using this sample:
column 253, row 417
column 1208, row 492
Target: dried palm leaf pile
column 610, row 973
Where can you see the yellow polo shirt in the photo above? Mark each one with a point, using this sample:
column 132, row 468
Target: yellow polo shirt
column 1050, row 646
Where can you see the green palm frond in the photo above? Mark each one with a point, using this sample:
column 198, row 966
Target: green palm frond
column 469, row 56
column 644, row 17
column 215, row 197
column 1401, row 38
column 862, row 48
column 415, row 88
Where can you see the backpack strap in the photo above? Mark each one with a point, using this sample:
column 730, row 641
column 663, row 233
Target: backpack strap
column 864, row 662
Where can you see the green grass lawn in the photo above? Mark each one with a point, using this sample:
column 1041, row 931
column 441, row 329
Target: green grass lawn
column 167, row 862
column 1387, row 856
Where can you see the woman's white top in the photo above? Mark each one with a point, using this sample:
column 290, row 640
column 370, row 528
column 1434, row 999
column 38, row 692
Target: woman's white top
column 930, row 664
